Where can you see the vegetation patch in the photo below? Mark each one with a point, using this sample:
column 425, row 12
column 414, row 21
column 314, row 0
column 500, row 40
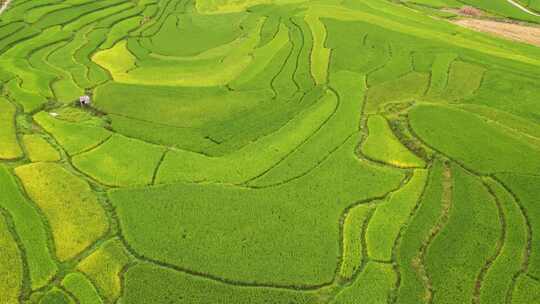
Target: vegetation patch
column 498, row 282
column 39, row 150
column 9, row 148
column 453, row 269
column 57, row 296
column 269, row 151
column 374, row 285
column 417, row 235
column 490, row 149
column 73, row 212
column 354, row 225
column 207, row 221
column 186, row 166
column 121, row 161
column 382, row 145
column 390, row 216
column 184, row 288
column 30, row 229
column 525, row 190
column 11, row 269
column 73, row 137
column 103, row 269
column 81, row 288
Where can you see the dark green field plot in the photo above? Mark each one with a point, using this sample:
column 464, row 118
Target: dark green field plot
column 269, row 152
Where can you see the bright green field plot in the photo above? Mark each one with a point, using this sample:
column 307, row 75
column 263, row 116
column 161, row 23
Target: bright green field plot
column 184, row 71
column 423, row 223
column 388, row 218
column 221, row 223
column 121, row 161
column 57, row 296
column 248, row 161
column 166, row 284
column 10, row 147
column 453, row 270
column 353, row 248
column 527, row 290
column 73, row 137
column 497, row 283
column 374, row 285
column 481, row 145
column 80, row 287
column 404, row 89
column 267, row 151
column 525, row 189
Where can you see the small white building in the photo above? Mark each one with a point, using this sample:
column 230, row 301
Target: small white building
column 84, row 100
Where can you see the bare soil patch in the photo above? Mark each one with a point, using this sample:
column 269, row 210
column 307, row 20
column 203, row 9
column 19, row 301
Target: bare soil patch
column 523, row 33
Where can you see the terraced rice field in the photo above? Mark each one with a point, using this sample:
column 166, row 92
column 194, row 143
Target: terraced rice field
column 267, row 151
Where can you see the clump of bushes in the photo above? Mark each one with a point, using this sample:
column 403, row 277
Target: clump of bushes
column 470, row 11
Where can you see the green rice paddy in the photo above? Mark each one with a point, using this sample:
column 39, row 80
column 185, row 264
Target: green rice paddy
column 267, row 151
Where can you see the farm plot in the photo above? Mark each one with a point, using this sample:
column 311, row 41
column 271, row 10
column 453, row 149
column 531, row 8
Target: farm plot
column 267, row 151
column 10, row 147
column 73, row 212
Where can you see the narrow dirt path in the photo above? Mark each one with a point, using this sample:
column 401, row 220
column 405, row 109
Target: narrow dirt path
column 521, row 7
column 4, row 6
column 527, row 34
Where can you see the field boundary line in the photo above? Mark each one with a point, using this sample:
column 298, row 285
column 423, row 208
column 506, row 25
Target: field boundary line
column 506, row 128
column 94, row 147
column 309, row 170
column 372, row 202
column 51, row 243
column 499, row 245
column 299, row 54
column 402, row 230
column 303, row 142
column 527, row 250
column 158, row 166
column 446, row 201
column 290, row 45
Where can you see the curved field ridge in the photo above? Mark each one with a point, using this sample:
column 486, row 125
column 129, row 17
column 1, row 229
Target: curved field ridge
column 268, row 151
column 248, row 163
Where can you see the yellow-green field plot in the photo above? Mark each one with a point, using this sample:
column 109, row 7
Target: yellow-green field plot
column 73, row 212
column 268, row 152
column 39, row 150
column 11, row 270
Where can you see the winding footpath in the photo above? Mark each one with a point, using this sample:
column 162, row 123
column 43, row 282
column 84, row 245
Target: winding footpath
column 4, row 6
column 521, row 7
